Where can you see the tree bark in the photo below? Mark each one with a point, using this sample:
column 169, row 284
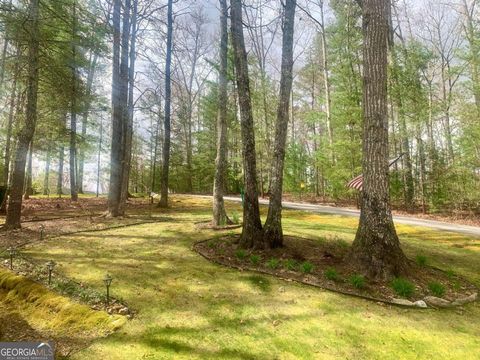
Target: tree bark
column 376, row 249
column 99, row 158
column 168, row 95
column 273, row 232
column 73, row 153
column 119, row 103
column 61, row 160
column 219, row 213
column 124, row 90
column 326, row 82
column 25, row 136
column 422, row 169
column 28, row 180
column 73, row 112
column 252, row 226
column 81, row 160
column 155, row 147
column 129, row 121
column 46, row 179
column 8, row 142
column 6, row 42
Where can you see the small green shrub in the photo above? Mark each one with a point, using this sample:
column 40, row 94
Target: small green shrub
column 306, row 267
column 402, row 287
column 450, row 273
column 254, row 259
column 241, row 254
column 211, row 244
column 331, row 274
column 436, row 289
column 235, row 218
column 290, row 264
column 273, row 263
column 421, row 260
column 358, row 281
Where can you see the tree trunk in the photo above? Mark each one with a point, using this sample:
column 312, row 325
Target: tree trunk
column 155, row 148
column 168, row 95
column 189, row 149
column 81, row 160
column 25, row 135
column 129, row 121
column 73, row 113
column 252, row 226
column 376, row 249
column 99, row 158
column 11, row 113
column 219, row 214
column 46, row 179
column 28, row 180
column 124, row 90
column 409, row 188
column 73, row 153
column 326, row 81
column 6, row 41
column 61, row 160
column 446, row 99
column 8, row 142
column 421, row 155
column 118, row 117
column 273, row 232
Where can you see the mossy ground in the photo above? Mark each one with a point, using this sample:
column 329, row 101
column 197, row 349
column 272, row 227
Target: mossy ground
column 29, row 311
column 189, row 308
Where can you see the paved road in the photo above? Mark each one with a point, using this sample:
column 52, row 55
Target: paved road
column 437, row 225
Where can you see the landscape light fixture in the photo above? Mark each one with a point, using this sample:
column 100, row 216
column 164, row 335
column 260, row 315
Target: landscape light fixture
column 108, row 281
column 50, row 265
column 12, row 251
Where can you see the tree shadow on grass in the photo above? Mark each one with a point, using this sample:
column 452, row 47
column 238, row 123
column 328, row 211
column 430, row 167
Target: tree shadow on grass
column 259, row 282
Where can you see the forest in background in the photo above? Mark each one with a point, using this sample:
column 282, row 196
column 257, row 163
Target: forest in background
column 434, row 98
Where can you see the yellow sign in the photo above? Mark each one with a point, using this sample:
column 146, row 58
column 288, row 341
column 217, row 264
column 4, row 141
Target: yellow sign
column 302, row 185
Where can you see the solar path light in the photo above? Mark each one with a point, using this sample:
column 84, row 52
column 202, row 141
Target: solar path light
column 108, row 281
column 50, row 266
column 12, row 252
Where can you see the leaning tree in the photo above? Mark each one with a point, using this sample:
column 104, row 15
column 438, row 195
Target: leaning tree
column 25, row 135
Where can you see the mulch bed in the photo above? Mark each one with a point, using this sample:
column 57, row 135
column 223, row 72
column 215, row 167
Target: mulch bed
column 59, row 217
column 310, row 262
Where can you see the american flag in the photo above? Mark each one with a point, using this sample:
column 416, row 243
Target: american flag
column 357, row 182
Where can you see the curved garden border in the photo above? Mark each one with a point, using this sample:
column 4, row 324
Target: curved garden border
column 310, row 283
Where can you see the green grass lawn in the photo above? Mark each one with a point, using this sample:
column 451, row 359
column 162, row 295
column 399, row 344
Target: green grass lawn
column 189, row 308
